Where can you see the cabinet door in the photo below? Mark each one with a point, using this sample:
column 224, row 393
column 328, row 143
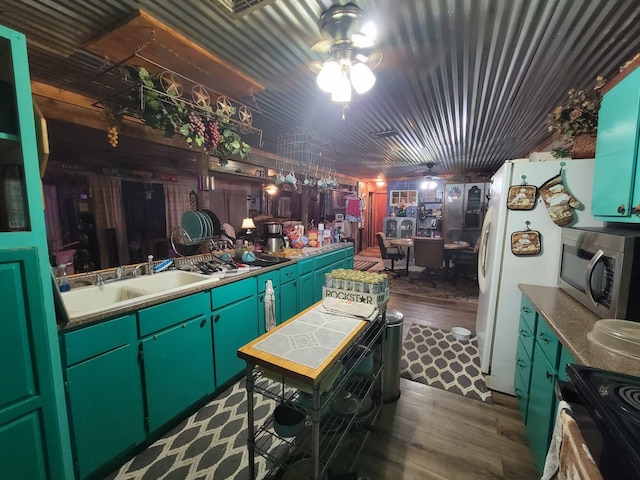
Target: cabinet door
column 106, row 407
column 30, row 422
column 178, row 369
column 233, row 326
column 305, row 291
column 288, row 300
column 318, row 283
column 541, row 407
column 616, row 150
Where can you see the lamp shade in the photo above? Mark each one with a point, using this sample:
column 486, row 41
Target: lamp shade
column 247, row 224
column 329, row 76
column 341, row 92
column 362, row 78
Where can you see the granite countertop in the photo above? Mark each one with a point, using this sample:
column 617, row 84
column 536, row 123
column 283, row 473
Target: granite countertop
column 571, row 322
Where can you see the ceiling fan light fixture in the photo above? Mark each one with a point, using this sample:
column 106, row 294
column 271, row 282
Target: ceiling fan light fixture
column 329, row 76
column 362, row 78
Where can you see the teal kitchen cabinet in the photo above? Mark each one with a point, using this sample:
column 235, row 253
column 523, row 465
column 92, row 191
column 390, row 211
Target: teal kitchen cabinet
column 235, row 324
column 616, row 187
column 348, row 257
column 288, row 292
column 274, row 276
column 34, row 432
column 176, row 356
column 305, row 283
column 324, row 264
column 540, row 361
column 104, row 390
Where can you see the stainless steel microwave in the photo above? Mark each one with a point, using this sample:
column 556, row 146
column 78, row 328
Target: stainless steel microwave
column 600, row 267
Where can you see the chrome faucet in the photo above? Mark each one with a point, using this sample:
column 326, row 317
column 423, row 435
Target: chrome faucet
column 150, row 265
column 136, row 271
column 99, row 280
column 120, row 271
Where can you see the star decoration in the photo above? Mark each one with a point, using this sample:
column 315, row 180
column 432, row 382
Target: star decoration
column 200, row 96
column 245, row 115
column 224, row 107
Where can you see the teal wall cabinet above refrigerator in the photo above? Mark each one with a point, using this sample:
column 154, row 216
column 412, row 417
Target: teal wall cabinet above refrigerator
column 616, row 186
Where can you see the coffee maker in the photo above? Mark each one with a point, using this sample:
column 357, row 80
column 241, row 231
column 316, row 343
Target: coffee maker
column 272, row 236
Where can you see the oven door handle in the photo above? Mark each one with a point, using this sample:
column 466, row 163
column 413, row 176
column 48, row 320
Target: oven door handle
column 589, row 273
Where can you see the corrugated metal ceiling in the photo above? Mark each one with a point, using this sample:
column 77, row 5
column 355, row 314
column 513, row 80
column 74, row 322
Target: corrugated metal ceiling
column 466, row 84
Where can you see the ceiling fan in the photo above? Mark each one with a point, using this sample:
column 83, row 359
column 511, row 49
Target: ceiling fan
column 429, row 174
column 350, row 41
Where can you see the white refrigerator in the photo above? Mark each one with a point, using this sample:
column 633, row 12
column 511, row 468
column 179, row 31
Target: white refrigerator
column 500, row 271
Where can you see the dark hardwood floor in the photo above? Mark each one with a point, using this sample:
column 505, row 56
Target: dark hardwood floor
column 433, row 434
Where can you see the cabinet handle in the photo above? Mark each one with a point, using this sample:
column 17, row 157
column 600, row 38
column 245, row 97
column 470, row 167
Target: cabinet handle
column 216, row 318
column 184, row 325
column 203, row 322
column 549, row 375
column 523, row 333
column 261, row 298
column 544, row 338
column 636, row 210
column 520, row 363
column 621, row 209
column 525, row 310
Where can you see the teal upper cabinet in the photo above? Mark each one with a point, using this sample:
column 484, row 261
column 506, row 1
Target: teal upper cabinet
column 34, row 435
column 616, row 187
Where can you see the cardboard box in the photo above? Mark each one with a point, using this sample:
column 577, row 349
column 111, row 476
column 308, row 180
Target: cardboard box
column 359, row 297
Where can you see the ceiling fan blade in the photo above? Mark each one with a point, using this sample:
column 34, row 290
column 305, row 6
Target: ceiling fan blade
column 315, row 67
column 323, row 46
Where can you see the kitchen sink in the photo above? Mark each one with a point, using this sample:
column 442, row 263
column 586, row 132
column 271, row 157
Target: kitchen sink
column 96, row 298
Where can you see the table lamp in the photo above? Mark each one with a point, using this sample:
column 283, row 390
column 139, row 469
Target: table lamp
column 248, row 225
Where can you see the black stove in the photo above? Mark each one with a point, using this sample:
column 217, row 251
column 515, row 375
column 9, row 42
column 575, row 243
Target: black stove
column 606, row 406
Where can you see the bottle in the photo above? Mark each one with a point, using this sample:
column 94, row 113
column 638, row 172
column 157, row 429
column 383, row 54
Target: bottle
column 15, row 200
column 63, row 280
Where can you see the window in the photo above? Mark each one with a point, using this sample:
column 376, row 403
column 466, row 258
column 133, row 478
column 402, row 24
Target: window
column 406, row 197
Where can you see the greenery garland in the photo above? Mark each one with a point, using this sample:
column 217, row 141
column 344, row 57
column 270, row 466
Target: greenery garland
column 201, row 127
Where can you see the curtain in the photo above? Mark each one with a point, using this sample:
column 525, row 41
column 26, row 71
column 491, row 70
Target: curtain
column 107, row 194
column 52, row 218
column 176, row 201
column 230, row 206
column 145, row 220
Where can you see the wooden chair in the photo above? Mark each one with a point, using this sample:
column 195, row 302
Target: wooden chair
column 429, row 253
column 388, row 251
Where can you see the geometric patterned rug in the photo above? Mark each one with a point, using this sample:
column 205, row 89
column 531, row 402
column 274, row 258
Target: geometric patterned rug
column 209, row 445
column 433, row 356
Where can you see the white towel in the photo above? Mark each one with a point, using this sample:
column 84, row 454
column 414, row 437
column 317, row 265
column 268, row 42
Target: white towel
column 552, row 462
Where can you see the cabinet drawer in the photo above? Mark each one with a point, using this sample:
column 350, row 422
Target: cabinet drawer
column 349, row 251
column 526, row 337
column 231, row 293
column 159, row 317
column 548, row 343
column 305, row 266
column 529, row 314
column 288, row 273
column 523, row 364
column 329, row 258
column 273, row 275
column 97, row 339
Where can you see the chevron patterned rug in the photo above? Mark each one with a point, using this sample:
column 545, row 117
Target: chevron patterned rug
column 433, row 356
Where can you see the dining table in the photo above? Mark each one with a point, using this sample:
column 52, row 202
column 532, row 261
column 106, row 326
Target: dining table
column 404, row 243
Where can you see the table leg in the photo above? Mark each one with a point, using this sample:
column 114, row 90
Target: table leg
column 251, row 439
column 408, row 255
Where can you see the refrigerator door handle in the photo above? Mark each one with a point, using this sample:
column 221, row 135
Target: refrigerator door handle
column 483, row 250
column 589, row 273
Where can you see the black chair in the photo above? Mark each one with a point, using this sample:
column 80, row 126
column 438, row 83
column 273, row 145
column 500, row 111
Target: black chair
column 429, row 253
column 388, row 251
column 465, row 263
